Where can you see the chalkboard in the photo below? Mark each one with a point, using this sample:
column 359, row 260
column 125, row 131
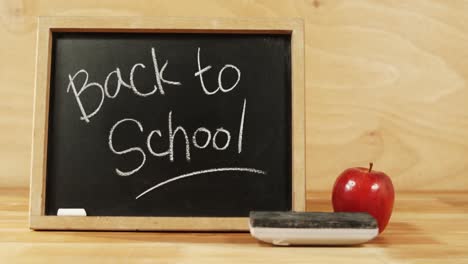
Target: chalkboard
column 169, row 124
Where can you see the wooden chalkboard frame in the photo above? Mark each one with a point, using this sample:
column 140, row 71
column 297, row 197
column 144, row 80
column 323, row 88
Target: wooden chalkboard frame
column 48, row 25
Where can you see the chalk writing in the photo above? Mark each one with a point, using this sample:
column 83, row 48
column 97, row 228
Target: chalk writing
column 137, row 149
column 161, row 143
column 251, row 170
column 200, row 72
column 104, row 90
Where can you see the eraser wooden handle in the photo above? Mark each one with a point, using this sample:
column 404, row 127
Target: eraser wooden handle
column 311, row 228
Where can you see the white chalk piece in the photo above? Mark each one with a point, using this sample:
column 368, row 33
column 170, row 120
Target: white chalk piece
column 294, row 228
column 71, row 212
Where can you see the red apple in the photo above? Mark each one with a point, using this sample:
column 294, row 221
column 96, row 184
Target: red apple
column 364, row 190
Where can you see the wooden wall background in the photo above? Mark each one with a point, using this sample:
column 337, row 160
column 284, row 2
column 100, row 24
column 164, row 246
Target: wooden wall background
column 386, row 81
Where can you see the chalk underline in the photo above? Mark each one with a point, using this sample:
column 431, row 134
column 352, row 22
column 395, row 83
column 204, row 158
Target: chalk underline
column 186, row 175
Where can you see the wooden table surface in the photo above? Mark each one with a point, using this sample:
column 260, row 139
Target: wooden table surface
column 426, row 227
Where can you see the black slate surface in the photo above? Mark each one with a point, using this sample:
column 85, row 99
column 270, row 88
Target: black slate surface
column 81, row 168
column 312, row 220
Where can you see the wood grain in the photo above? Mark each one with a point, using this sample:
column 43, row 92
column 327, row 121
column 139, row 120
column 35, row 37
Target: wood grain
column 385, row 82
column 426, row 227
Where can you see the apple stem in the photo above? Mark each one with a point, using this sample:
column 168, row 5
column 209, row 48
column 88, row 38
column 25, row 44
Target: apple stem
column 370, row 166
